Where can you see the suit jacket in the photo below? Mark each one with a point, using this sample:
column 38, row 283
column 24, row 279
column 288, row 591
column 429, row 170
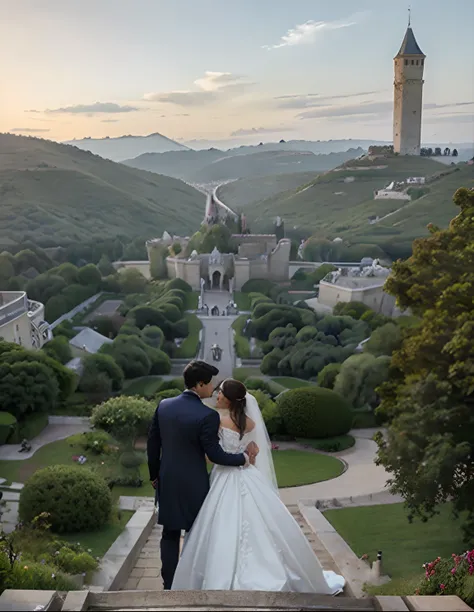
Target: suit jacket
column 182, row 433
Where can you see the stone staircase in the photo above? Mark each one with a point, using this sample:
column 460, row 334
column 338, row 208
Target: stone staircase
column 145, row 576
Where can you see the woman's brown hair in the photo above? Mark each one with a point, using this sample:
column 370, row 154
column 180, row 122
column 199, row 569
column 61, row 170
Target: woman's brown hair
column 235, row 392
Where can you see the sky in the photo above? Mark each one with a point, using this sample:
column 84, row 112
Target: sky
column 243, row 71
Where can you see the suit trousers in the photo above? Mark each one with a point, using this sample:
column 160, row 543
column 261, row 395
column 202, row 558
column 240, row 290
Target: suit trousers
column 170, row 540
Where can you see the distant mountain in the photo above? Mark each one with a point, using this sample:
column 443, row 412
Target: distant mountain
column 214, row 165
column 125, row 147
column 55, row 193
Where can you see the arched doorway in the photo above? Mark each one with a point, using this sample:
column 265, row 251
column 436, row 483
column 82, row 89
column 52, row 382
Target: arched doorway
column 216, row 280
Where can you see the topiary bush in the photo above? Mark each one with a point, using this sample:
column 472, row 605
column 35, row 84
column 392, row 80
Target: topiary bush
column 124, row 417
column 75, row 498
column 313, row 412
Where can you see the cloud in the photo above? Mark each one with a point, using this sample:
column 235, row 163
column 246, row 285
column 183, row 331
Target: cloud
column 212, row 86
column 89, row 109
column 365, row 108
column 449, row 105
column 30, row 130
column 183, row 98
column 261, row 130
column 109, row 120
column 307, row 33
column 315, row 100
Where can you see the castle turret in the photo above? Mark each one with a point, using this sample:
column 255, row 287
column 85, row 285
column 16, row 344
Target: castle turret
column 408, row 96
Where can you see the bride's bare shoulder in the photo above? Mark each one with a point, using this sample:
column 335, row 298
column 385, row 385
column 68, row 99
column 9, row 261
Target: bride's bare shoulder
column 228, row 423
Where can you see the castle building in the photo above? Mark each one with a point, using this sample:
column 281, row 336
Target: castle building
column 408, row 96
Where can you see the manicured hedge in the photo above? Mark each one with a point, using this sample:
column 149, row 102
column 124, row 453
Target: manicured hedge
column 314, row 412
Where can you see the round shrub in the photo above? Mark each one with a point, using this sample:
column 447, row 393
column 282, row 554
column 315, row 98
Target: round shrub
column 178, row 283
column 166, row 394
column 174, row 383
column 315, row 413
column 124, row 417
column 7, row 424
column 75, row 498
column 130, row 460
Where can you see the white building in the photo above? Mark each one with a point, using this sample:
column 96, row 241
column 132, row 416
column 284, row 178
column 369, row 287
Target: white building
column 364, row 284
column 22, row 320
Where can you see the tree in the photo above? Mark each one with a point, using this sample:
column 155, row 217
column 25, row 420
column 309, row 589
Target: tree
column 100, row 365
column 384, row 340
column 58, row 348
column 132, row 281
column 69, row 272
column 89, row 275
column 105, row 266
column 327, row 376
column 429, row 398
column 27, row 386
column 437, row 151
column 359, row 377
column 455, row 152
column 7, row 271
column 45, row 286
column 11, row 353
column 217, row 236
column 55, row 307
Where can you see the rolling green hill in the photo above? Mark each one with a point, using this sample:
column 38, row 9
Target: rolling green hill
column 330, row 207
column 213, row 165
column 246, row 192
column 61, row 193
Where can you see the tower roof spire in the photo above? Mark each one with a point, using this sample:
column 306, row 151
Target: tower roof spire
column 409, row 44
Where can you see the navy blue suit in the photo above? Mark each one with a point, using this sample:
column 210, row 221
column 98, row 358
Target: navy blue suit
column 182, row 433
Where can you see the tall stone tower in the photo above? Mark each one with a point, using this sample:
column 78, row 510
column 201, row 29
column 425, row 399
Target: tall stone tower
column 408, row 96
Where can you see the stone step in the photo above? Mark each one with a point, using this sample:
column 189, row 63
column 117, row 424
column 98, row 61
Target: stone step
column 146, row 574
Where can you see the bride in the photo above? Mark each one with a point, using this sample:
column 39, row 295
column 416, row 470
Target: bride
column 244, row 537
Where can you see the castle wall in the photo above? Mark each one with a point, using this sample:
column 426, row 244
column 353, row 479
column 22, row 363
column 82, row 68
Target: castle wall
column 279, row 261
column 187, row 270
column 241, row 273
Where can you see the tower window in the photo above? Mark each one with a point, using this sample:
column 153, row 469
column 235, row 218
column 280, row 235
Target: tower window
column 412, row 62
column 422, row 62
column 406, row 62
column 417, row 62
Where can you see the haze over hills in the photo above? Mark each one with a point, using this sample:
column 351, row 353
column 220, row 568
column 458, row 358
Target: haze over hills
column 340, row 203
column 57, row 193
column 215, row 165
column 124, row 147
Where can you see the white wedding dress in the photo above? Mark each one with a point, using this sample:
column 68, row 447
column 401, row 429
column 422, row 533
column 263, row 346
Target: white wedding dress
column 245, row 539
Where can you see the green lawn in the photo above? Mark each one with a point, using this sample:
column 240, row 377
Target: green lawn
column 191, row 301
column 243, row 373
column 405, row 546
column 146, row 386
column 189, row 348
column 242, row 300
column 100, row 541
column 293, row 468
column 292, row 383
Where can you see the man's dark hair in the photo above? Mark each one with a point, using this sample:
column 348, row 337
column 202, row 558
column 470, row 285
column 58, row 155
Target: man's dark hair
column 198, row 372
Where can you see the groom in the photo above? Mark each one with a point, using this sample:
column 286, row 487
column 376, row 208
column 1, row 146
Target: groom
column 182, row 433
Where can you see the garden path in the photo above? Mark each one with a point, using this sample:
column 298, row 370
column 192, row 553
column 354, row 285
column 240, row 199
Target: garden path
column 362, row 477
column 51, row 433
column 218, row 330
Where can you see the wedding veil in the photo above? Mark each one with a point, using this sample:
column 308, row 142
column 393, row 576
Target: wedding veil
column 264, row 460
